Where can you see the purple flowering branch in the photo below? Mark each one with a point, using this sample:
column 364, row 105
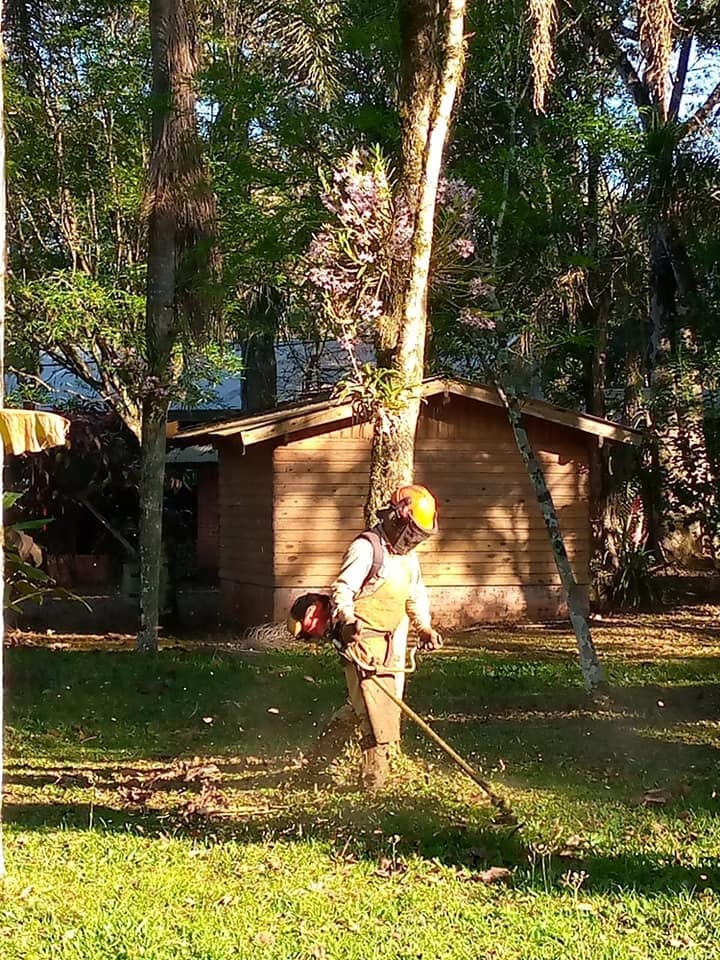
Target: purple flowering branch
column 369, row 231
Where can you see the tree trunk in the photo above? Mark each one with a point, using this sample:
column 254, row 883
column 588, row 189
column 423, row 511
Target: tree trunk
column 595, row 316
column 432, row 59
column 181, row 261
column 152, row 484
column 259, row 374
column 160, row 326
column 589, row 664
column 681, row 464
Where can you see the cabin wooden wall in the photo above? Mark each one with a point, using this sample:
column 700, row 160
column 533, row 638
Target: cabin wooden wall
column 321, row 480
column 491, row 559
column 245, row 494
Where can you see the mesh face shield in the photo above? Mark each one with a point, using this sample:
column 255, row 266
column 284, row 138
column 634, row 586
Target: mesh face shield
column 402, row 533
column 410, row 537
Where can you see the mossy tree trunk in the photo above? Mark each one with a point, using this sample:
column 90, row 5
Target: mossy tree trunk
column 592, row 672
column 432, row 60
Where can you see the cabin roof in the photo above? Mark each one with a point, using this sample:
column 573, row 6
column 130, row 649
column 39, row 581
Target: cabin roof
column 304, row 415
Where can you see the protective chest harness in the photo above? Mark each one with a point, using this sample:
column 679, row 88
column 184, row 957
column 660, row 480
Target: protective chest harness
column 381, row 606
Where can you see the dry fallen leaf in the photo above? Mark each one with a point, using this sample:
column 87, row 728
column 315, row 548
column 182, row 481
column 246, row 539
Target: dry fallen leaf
column 573, row 846
column 679, row 942
column 657, row 796
column 265, row 938
column 492, row 875
column 134, row 794
column 388, row 868
column 209, row 801
column 203, row 771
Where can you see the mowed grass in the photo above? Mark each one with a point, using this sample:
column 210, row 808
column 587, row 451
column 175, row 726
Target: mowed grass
column 157, row 807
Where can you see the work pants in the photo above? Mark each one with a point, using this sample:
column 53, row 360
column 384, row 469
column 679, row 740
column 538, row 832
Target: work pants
column 379, row 717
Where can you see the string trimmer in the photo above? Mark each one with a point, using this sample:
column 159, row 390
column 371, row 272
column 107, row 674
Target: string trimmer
column 310, row 618
column 370, row 671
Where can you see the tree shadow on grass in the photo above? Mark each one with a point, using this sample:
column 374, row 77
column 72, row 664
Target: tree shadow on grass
column 573, row 752
column 388, row 830
column 354, row 825
column 534, row 718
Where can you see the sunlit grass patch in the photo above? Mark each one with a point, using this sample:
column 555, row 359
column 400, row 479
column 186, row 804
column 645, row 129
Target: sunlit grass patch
column 160, row 807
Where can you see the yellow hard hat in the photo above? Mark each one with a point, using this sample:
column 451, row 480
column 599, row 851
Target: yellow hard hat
column 416, row 503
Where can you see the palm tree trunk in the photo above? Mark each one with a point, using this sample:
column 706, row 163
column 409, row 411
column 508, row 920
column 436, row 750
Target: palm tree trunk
column 181, row 211
column 160, row 321
column 592, row 672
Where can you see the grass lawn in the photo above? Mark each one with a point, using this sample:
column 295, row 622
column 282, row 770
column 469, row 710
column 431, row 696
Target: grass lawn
column 154, row 806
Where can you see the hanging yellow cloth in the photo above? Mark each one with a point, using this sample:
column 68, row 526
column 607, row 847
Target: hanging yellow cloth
column 29, row 431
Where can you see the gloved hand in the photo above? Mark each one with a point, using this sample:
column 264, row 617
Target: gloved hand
column 350, row 632
column 429, row 639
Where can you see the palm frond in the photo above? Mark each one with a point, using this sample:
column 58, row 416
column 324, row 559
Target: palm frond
column 306, row 36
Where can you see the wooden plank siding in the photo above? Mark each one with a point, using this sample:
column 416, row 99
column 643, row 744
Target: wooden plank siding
column 491, row 496
column 246, row 552
column 492, row 551
column 321, row 481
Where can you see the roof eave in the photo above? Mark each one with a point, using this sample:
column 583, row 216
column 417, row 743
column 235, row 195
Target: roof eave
column 282, row 423
column 541, row 409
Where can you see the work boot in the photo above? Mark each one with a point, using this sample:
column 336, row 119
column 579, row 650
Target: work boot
column 332, row 740
column 374, row 768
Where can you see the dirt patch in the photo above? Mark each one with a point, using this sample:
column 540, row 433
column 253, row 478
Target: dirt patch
column 680, row 633
column 670, row 634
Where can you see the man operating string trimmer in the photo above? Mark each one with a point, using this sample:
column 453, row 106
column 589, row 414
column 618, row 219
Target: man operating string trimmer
column 378, row 594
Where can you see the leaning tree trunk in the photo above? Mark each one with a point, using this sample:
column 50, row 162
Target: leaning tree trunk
column 589, row 663
column 181, row 213
column 432, row 59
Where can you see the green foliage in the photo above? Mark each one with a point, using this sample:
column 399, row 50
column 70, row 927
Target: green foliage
column 630, row 583
column 70, row 308
column 25, row 580
column 375, row 392
column 563, row 206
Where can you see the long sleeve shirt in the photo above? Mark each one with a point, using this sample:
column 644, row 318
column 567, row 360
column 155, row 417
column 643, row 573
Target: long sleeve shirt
column 351, row 582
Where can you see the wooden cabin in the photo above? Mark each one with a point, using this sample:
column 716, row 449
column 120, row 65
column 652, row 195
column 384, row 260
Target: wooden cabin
column 292, row 484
